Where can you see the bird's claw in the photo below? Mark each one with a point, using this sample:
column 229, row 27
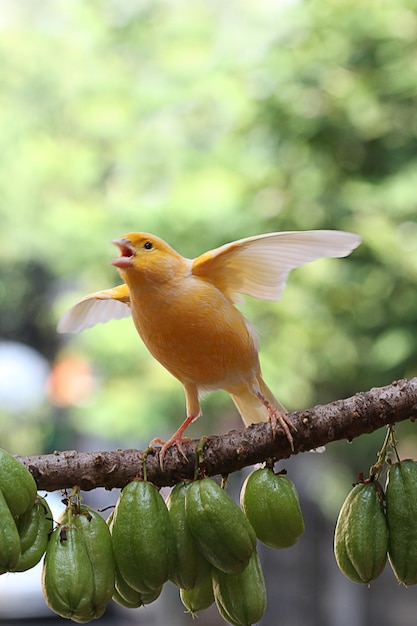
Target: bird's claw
column 175, row 440
column 279, row 418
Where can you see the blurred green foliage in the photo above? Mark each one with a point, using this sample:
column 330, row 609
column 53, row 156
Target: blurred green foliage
column 205, row 122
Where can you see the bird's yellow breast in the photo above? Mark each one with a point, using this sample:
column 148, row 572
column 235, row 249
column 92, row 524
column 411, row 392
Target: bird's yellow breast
column 195, row 332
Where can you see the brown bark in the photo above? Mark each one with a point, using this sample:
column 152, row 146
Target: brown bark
column 363, row 413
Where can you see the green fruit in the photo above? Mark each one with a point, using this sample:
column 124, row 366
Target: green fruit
column 199, row 598
column 241, row 598
column 401, row 505
column 67, row 576
column 130, row 598
column 361, row 534
column 190, row 568
column 34, row 528
column 270, row 502
column 126, row 592
column 222, row 532
column 17, row 484
column 9, row 539
column 100, row 554
column 109, row 520
column 142, row 537
column 119, row 599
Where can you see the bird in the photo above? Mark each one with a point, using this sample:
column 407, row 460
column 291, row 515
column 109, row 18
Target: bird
column 185, row 312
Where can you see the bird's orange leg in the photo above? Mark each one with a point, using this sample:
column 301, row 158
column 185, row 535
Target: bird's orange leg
column 277, row 417
column 193, row 411
column 175, row 440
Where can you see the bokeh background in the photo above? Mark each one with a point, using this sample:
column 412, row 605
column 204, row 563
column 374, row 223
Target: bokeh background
column 204, row 122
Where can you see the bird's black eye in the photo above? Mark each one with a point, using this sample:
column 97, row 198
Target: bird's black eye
column 148, row 245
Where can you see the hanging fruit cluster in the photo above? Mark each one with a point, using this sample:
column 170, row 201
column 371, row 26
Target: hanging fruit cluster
column 25, row 518
column 374, row 525
column 199, row 538
column 79, row 565
column 202, row 541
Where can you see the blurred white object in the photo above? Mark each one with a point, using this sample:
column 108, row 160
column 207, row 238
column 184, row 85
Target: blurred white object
column 23, row 376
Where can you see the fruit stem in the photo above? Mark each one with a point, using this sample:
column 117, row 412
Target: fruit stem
column 199, row 458
column 225, row 481
column 74, row 503
column 149, row 450
column 392, row 442
column 269, row 463
column 389, row 441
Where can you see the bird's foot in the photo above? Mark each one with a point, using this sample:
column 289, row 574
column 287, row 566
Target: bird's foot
column 278, row 418
column 176, row 440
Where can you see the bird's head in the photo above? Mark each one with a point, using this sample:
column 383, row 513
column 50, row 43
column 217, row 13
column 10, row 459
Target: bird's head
column 145, row 257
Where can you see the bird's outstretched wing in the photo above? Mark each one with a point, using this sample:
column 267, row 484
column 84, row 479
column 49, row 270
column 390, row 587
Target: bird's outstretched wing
column 258, row 266
column 97, row 307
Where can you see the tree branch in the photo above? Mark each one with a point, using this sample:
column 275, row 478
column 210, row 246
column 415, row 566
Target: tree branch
column 363, row 413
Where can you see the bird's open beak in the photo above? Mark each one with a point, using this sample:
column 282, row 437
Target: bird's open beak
column 127, row 252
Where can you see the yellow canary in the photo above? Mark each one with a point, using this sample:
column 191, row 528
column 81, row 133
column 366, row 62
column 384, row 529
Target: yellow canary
column 183, row 310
